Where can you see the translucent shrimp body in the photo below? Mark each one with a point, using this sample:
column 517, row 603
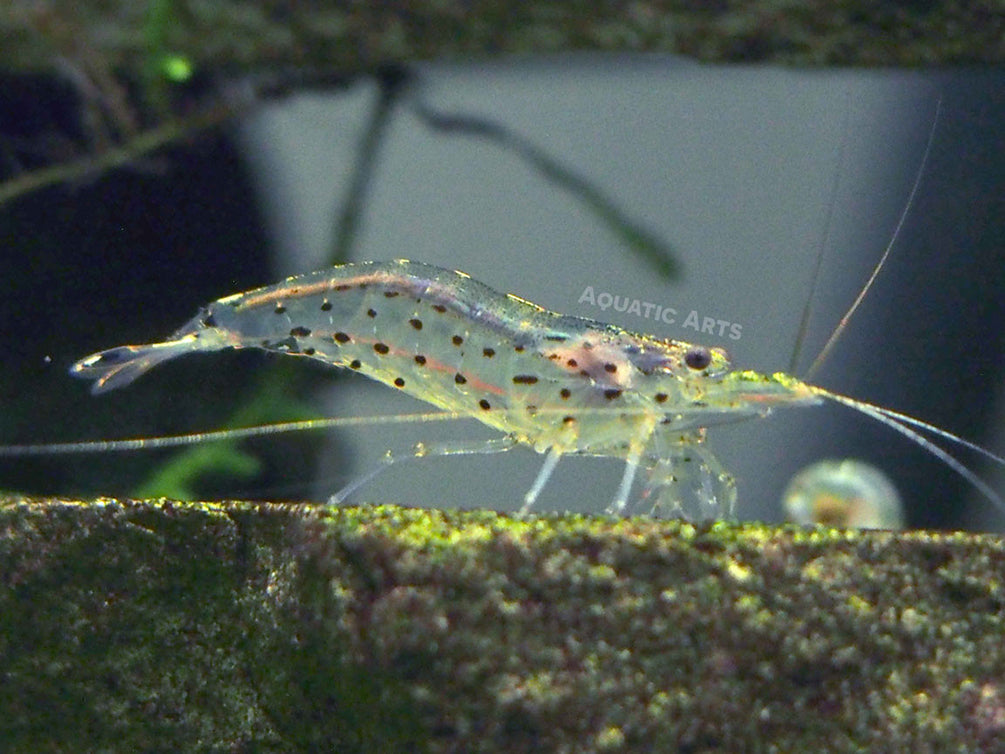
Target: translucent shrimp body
column 558, row 384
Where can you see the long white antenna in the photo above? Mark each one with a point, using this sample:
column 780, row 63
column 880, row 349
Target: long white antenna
column 898, row 422
column 825, row 351
column 804, row 320
column 173, row 441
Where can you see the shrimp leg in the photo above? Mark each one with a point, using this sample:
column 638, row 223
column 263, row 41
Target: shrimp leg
column 636, row 451
column 672, row 474
column 617, row 506
column 550, row 462
column 424, row 450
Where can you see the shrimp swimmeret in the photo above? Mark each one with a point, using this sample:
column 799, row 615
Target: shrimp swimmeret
column 561, row 385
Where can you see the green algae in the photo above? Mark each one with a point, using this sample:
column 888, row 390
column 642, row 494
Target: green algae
column 164, row 626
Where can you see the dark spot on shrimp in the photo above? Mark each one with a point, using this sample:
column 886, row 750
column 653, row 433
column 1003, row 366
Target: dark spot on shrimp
column 460, row 379
column 398, row 382
column 572, row 363
column 355, row 364
column 556, row 338
column 611, row 393
column 209, row 320
column 568, row 420
column 565, row 393
column 518, row 349
column 553, row 357
column 661, row 397
column 484, row 404
column 371, row 313
column 280, row 309
column 457, row 340
column 341, row 337
column 420, row 359
column 610, row 368
column 390, row 294
column 300, row 332
column 531, row 409
column 524, row 379
column 440, row 308
column 342, row 287
column 326, row 306
column 488, row 353
column 381, row 348
column 416, row 323
column 309, row 352
column 697, row 357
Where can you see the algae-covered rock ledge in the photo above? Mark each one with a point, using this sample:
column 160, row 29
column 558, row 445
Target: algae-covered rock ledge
column 165, row 626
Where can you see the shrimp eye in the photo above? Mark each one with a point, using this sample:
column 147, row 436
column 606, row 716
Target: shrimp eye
column 697, row 357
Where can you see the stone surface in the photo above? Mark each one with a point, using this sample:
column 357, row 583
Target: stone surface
column 161, row 626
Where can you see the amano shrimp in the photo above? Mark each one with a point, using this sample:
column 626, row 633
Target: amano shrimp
column 560, row 385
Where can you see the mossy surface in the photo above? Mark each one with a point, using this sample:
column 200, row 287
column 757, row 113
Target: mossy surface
column 240, row 627
column 175, row 40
